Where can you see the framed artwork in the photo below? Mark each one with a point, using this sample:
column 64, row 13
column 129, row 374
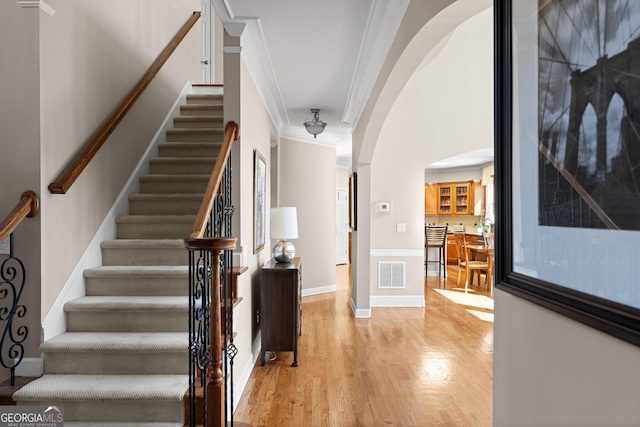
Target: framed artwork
column 353, row 199
column 568, row 158
column 259, row 201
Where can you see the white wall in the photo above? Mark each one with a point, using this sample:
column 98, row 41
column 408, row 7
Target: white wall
column 308, row 182
column 92, row 53
column 552, row 371
column 424, row 26
column 20, row 148
column 419, row 131
column 254, row 136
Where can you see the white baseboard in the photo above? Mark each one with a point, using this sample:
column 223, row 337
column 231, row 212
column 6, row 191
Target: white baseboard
column 246, row 372
column 55, row 322
column 397, row 301
column 319, row 290
column 360, row 313
column 30, row 367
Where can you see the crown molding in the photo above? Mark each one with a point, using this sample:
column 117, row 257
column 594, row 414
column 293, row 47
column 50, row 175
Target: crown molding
column 39, row 4
column 385, row 17
column 327, row 139
column 258, row 61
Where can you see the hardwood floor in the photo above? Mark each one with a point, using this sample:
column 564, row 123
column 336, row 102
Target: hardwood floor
column 427, row 366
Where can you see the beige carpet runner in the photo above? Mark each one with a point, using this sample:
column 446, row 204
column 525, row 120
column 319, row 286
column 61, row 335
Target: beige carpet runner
column 123, row 360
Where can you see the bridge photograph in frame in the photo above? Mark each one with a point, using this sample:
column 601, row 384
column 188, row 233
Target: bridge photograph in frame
column 565, row 238
column 589, row 113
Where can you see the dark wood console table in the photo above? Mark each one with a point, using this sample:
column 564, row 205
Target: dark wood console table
column 281, row 307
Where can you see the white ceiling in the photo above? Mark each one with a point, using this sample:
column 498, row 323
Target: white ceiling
column 307, row 54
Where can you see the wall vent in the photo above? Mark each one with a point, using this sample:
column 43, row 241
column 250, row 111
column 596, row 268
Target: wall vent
column 391, row 275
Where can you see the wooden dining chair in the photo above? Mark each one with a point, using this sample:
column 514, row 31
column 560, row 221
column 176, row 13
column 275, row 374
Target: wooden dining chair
column 436, row 237
column 467, row 264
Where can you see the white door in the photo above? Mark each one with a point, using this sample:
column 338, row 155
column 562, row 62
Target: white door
column 342, row 221
column 207, row 20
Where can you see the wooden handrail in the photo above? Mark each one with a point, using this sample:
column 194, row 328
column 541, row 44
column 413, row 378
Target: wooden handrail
column 80, row 163
column 27, row 207
column 200, row 225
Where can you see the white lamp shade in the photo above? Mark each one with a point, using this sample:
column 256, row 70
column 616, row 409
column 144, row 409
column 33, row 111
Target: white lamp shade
column 284, row 223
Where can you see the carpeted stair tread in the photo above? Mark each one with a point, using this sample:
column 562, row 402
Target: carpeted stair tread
column 195, row 134
column 57, row 388
column 180, row 178
column 157, row 342
column 204, row 98
column 127, row 303
column 134, row 252
column 143, row 243
column 198, row 121
column 155, row 219
column 189, row 149
column 167, row 197
column 200, row 109
column 191, row 145
column 137, row 270
column 187, row 160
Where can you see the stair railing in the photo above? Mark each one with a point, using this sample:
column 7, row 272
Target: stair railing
column 210, row 248
column 12, row 276
column 64, row 182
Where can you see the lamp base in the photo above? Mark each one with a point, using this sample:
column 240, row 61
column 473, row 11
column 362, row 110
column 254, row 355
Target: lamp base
column 283, row 251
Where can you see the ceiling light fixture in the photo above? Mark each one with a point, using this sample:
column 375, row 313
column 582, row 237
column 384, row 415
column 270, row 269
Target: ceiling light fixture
column 315, row 126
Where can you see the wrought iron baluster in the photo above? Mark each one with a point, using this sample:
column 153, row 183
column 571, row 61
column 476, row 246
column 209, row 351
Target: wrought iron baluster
column 201, row 280
column 13, row 276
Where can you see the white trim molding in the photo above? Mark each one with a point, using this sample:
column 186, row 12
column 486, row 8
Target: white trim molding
column 319, row 290
column 299, row 134
column 39, row 4
column 258, row 61
column 397, row 301
column 360, row 313
column 397, row 253
column 382, row 25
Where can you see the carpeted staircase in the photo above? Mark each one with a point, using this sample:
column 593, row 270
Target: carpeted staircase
column 124, row 358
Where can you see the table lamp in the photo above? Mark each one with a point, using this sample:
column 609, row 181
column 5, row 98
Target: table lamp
column 283, row 226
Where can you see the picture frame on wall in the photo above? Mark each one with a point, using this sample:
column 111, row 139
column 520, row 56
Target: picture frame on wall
column 353, row 201
column 259, row 201
column 568, row 207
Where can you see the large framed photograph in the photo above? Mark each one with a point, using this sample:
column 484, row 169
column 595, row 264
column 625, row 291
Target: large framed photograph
column 568, row 158
column 259, row 201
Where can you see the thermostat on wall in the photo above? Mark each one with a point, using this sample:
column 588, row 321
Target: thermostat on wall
column 384, row 207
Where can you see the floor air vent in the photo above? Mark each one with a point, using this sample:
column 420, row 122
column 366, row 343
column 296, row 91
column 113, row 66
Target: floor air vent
column 391, row 275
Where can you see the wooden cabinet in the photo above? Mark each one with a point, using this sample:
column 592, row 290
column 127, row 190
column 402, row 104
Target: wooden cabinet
column 444, row 199
column 431, row 199
column 281, row 307
column 479, row 200
column 463, row 200
column 459, row 198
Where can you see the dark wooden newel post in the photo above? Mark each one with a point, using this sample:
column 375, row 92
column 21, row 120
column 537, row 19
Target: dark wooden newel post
column 215, row 382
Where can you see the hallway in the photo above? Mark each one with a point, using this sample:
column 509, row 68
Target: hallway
column 403, row 367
